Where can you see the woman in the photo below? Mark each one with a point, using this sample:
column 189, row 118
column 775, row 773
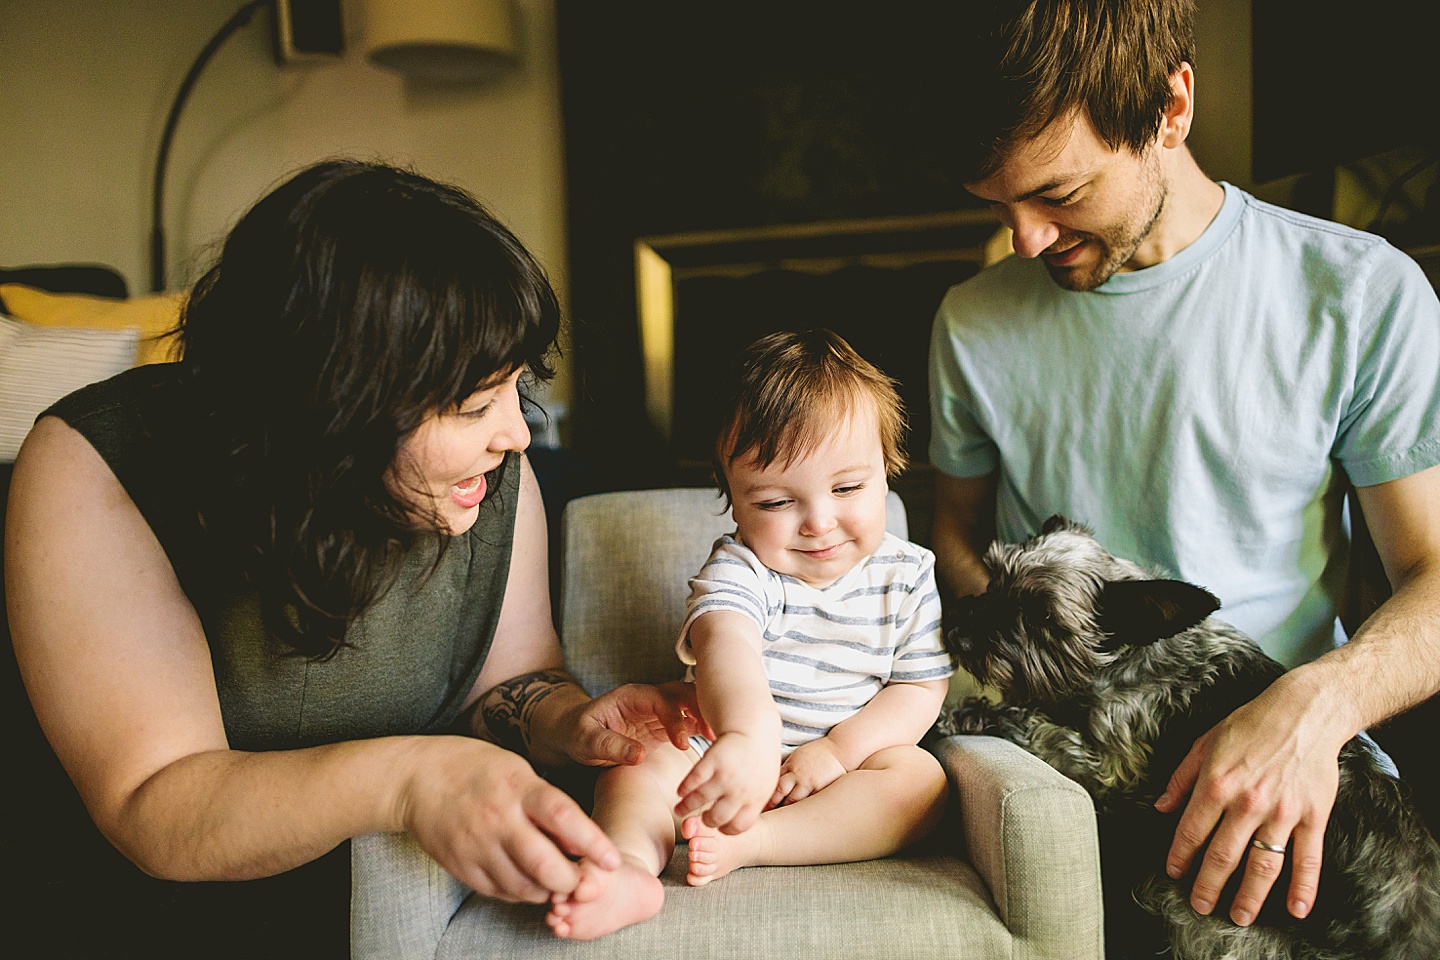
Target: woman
column 247, row 590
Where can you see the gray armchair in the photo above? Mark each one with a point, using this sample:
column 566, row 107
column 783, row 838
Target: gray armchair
column 1014, row 873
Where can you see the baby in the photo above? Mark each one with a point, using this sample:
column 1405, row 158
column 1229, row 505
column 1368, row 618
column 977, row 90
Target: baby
column 813, row 638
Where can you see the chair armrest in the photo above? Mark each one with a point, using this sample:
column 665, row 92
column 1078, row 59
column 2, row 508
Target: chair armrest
column 1030, row 833
column 401, row 900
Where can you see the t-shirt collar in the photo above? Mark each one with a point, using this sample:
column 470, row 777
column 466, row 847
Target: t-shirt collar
column 1215, row 234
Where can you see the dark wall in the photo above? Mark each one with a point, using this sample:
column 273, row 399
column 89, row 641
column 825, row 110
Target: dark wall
column 683, row 117
column 884, row 313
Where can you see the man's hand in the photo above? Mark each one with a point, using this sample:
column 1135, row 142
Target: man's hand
column 810, row 768
column 732, row 782
column 615, row 728
column 1262, row 774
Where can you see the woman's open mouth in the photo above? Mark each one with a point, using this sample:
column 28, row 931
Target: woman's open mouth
column 469, row 493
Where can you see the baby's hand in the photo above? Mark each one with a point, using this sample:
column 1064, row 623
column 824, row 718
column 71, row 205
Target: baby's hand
column 731, row 783
column 809, row 769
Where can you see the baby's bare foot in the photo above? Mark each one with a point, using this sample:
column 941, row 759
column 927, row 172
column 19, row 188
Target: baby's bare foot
column 606, row 900
column 713, row 854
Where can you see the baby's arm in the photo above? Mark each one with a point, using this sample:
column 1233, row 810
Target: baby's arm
column 737, row 775
column 900, row 714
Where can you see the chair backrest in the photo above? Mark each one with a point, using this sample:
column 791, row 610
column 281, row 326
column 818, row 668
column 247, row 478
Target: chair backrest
column 625, row 567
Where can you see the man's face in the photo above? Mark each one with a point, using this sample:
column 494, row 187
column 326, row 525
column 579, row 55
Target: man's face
column 1085, row 209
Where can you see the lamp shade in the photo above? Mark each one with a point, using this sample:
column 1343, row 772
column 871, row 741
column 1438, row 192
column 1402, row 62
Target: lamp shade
column 440, row 39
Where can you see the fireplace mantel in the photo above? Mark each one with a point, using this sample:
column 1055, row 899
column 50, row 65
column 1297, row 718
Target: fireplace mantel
column 818, row 248
column 710, row 148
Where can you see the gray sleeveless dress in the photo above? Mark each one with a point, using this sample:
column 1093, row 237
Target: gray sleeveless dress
column 413, row 658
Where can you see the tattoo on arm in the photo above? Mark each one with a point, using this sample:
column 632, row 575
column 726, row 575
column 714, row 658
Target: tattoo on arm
column 508, row 709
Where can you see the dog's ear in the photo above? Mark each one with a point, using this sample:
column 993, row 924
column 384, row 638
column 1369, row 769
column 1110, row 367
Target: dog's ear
column 1060, row 522
column 1137, row 612
column 1056, row 522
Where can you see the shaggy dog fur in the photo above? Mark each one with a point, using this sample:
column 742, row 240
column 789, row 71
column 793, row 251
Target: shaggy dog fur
column 1110, row 675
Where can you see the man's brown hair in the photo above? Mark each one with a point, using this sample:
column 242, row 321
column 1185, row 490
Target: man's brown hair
column 792, row 390
column 1031, row 62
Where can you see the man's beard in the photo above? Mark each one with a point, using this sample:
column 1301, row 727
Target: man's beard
column 1117, row 244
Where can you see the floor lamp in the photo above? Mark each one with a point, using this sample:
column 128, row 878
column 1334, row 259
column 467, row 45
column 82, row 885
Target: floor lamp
column 438, row 40
column 157, row 208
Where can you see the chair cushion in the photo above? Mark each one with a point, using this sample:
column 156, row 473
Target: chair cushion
column 39, row 365
column 155, row 316
column 659, row 538
column 922, row 905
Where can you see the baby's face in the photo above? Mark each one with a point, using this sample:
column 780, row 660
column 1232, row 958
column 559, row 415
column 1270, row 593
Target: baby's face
column 816, row 518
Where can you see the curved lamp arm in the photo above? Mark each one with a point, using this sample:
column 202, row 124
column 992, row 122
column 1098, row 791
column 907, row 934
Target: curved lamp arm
column 157, row 211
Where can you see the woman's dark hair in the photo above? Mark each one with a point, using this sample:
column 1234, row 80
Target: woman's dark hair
column 346, row 307
column 1026, row 63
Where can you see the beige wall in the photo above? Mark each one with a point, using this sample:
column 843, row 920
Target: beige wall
column 1220, row 138
column 85, row 86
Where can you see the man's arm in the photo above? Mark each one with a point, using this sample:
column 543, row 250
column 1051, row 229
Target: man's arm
column 1269, row 771
column 964, row 528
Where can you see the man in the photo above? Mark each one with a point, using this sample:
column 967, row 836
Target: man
column 1195, row 375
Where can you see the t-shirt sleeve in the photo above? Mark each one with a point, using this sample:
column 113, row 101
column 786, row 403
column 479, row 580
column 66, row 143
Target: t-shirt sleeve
column 959, row 446
column 732, row 579
column 1391, row 425
column 920, row 652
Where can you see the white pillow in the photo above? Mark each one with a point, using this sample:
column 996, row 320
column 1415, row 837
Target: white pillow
column 39, row 365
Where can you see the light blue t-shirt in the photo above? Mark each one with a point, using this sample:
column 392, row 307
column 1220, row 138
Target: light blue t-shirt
column 1193, row 413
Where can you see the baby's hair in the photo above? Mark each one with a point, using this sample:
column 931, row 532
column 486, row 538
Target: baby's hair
column 791, row 392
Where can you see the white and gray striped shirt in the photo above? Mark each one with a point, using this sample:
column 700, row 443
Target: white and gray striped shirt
column 828, row 650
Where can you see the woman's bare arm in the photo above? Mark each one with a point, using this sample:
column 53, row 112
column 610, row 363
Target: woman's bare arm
column 118, row 669
column 524, row 699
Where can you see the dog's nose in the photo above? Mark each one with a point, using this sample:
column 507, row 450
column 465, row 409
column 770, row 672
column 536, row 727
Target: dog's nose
column 959, row 618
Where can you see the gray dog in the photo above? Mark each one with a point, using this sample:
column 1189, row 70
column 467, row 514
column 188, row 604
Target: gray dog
column 1110, row 675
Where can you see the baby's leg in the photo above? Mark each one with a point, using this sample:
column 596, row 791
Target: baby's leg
column 893, row 799
column 633, row 806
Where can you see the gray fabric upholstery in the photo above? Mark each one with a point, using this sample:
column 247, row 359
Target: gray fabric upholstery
column 401, row 900
column 924, row 906
column 1014, row 872
column 1030, row 832
column 627, row 560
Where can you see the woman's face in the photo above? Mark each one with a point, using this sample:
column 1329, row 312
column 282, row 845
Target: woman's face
column 441, row 468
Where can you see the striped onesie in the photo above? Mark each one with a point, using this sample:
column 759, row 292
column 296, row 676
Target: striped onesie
column 828, row 650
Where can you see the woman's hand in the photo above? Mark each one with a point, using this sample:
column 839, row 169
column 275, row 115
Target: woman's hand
column 810, row 768
column 615, row 728
column 486, row 817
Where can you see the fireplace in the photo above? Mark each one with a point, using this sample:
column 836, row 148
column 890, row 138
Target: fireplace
column 702, row 296
column 742, row 168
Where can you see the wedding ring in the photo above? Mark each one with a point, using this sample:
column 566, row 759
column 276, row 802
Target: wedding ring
column 1259, row 844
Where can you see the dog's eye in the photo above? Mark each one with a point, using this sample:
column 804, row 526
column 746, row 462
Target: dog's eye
column 1038, row 614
